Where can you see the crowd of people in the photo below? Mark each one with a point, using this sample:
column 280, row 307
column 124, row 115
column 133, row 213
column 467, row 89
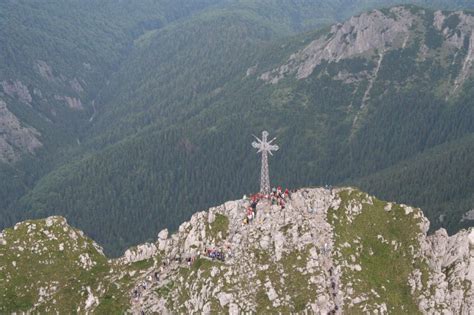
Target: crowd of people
column 215, row 254
column 137, row 292
column 276, row 197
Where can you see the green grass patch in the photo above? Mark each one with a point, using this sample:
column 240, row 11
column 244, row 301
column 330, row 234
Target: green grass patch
column 263, row 303
column 220, row 224
column 284, row 229
column 383, row 268
column 142, row 264
column 114, row 301
column 297, row 284
column 165, row 290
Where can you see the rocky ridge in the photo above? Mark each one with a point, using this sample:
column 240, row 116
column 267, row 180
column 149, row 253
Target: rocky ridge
column 15, row 138
column 45, row 95
column 373, row 34
column 327, row 251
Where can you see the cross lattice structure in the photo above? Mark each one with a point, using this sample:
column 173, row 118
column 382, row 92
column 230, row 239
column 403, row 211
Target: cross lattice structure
column 265, row 147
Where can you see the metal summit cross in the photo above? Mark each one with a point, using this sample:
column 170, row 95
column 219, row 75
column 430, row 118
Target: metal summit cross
column 265, row 147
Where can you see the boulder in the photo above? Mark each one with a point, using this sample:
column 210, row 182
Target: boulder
column 140, row 252
column 163, row 235
column 224, row 298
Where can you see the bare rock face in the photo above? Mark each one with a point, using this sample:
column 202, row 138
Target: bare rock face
column 15, row 138
column 17, row 89
column 320, row 246
column 374, row 34
column 138, row 253
column 361, row 35
column 76, row 86
column 72, row 102
column 457, row 29
column 451, row 262
column 163, row 235
column 44, row 70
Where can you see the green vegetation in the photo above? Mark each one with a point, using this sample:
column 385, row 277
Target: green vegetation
column 285, row 228
column 53, row 260
column 452, row 21
column 301, row 295
column 51, row 265
column 165, row 290
column 173, row 76
column 190, row 285
column 202, row 264
column 143, row 264
column 371, row 235
column 445, row 169
column 296, row 284
column 220, row 225
column 115, row 301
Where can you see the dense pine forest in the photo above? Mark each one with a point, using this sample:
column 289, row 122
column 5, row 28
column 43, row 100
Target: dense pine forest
column 172, row 92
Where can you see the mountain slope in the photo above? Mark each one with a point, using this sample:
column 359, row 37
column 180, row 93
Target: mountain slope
column 328, row 250
column 58, row 56
column 449, row 166
column 372, row 103
column 61, row 54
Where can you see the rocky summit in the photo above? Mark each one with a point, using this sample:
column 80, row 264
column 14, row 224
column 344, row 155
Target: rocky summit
column 327, row 251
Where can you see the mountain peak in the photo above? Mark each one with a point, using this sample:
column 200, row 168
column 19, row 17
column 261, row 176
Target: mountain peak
column 372, row 34
column 326, row 250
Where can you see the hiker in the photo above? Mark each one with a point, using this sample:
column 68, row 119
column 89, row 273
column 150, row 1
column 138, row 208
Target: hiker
column 253, row 205
column 211, row 253
column 279, row 191
column 220, row 256
column 228, row 249
column 282, row 203
column 249, row 215
column 157, row 276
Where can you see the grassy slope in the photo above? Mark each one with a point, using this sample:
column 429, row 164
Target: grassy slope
column 33, row 260
column 383, row 269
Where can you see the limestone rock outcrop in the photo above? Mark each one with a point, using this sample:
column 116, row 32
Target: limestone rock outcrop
column 15, row 138
column 373, row 34
column 327, row 251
